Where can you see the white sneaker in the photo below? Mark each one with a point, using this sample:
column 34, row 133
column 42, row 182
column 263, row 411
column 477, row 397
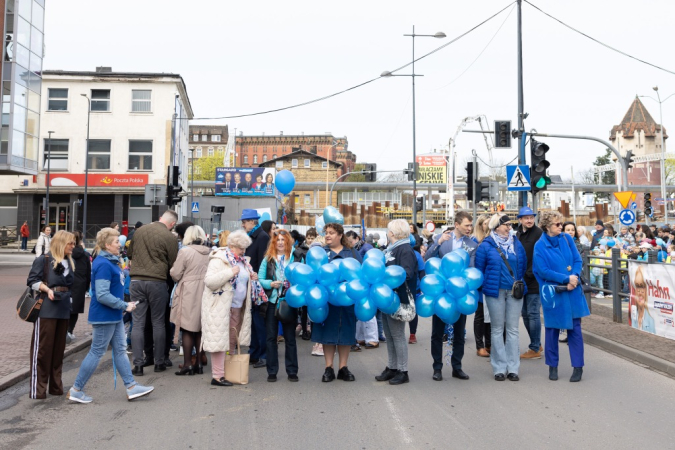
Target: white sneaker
column 78, row 396
column 180, row 351
column 137, row 391
column 600, row 295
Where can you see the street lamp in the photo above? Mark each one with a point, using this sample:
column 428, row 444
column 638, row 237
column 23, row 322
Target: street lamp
column 86, row 173
column 387, row 74
column 192, row 181
column 49, row 165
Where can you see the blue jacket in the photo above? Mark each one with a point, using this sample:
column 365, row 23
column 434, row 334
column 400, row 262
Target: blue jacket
column 555, row 259
column 266, row 281
column 490, row 263
column 107, row 289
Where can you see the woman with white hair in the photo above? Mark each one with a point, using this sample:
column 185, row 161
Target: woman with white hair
column 226, row 302
column 186, row 311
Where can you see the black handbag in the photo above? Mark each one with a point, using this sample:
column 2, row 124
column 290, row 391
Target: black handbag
column 30, row 303
column 284, row 312
column 518, row 288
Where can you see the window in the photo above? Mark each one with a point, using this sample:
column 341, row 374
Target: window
column 99, row 154
column 324, row 165
column 274, row 156
column 195, row 137
column 264, row 158
column 58, row 100
column 280, row 164
column 255, row 159
column 140, row 101
column 137, row 201
column 294, row 163
column 140, row 155
column 210, row 151
column 198, row 153
column 215, row 138
column 204, row 138
column 220, row 151
column 308, row 199
column 100, row 100
column 9, row 200
column 245, row 159
column 59, row 154
column 306, row 163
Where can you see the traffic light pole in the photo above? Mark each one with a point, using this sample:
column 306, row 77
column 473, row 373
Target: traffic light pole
column 522, row 198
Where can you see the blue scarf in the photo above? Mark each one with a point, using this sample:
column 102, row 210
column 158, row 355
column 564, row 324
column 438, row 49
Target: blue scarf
column 505, row 244
column 387, row 253
column 250, row 233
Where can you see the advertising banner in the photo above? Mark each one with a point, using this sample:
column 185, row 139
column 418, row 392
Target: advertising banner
column 99, row 180
column 652, row 287
column 242, row 181
column 432, row 169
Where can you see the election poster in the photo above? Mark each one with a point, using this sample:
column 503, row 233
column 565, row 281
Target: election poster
column 652, row 287
column 244, row 181
column 433, row 169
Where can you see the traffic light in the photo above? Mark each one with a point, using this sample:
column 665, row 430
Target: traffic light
column 173, row 187
column 502, row 134
column 649, row 211
column 470, row 181
column 630, row 159
column 539, row 166
column 413, row 171
column 370, row 169
column 483, row 189
column 419, row 204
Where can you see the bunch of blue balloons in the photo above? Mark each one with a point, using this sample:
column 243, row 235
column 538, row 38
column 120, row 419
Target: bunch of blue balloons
column 344, row 282
column 450, row 287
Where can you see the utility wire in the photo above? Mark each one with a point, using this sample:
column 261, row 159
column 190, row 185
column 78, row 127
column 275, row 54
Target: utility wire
column 597, row 41
column 495, row 167
column 360, row 84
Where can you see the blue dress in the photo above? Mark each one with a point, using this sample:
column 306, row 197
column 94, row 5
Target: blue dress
column 339, row 328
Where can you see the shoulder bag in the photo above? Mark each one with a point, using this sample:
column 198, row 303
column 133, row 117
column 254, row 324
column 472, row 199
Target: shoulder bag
column 236, row 365
column 29, row 305
column 406, row 313
column 518, row 289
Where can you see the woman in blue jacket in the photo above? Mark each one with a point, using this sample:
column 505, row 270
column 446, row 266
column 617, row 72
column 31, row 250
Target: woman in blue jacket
column 491, row 257
column 105, row 315
column 557, row 267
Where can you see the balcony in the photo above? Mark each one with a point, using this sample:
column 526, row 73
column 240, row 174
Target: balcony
column 17, row 165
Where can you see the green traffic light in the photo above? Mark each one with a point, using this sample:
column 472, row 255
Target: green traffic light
column 541, row 183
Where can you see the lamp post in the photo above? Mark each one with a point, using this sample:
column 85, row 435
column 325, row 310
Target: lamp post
column 192, row 181
column 86, row 173
column 49, row 165
column 439, row 35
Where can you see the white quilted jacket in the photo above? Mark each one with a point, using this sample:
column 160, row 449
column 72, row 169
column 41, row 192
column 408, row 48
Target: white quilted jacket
column 216, row 307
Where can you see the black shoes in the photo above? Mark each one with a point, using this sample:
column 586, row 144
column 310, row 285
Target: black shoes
column 438, row 375
column 160, row 367
column 252, row 361
column 167, row 362
column 137, row 371
column 400, row 378
column 513, row 377
column 294, row 378
column 576, row 375
column 553, row 373
column 148, row 362
column 386, row 375
column 328, row 375
column 260, row 363
column 459, row 373
column 345, row 375
column 221, row 382
column 306, row 335
column 500, row 377
column 189, row 370
column 199, row 369
column 271, row 378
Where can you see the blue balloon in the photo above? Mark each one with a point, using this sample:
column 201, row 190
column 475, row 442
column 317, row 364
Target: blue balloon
column 394, row 276
column 123, row 240
column 318, row 315
column 372, row 271
column 316, row 257
column 468, row 304
column 382, row 295
column 337, row 262
column 393, row 305
column 432, row 285
column 433, row 266
column 357, row 289
column 610, row 243
column 602, row 241
column 328, row 275
column 446, row 309
column 374, row 253
column 265, row 216
column 303, row 274
column 288, row 272
column 295, row 296
column 365, row 310
column 332, row 215
column 319, row 224
column 475, row 293
column 457, row 287
column 464, row 255
column 341, row 296
column 350, row 269
column 473, row 277
column 285, row 181
column 332, row 294
column 316, row 296
column 424, row 306
column 452, row 265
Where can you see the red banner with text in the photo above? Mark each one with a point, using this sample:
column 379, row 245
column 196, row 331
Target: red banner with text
column 98, row 180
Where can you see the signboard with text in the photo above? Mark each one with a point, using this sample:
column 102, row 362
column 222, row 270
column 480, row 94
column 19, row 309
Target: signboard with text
column 432, row 169
column 245, row 181
column 652, row 298
column 98, row 180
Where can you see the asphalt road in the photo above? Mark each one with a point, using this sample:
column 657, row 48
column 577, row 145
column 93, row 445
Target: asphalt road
column 618, row 405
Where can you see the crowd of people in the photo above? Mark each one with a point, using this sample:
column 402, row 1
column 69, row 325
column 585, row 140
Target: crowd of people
column 170, row 287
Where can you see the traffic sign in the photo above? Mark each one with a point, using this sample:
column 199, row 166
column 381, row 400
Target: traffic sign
column 623, row 198
column 633, row 205
column 195, row 207
column 430, row 226
column 518, row 178
column 627, row 217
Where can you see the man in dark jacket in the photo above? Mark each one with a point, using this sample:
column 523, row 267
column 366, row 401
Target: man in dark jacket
column 256, row 253
column 528, row 235
column 599, row 233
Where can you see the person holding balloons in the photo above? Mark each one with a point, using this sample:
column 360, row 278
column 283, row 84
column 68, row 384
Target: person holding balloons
column 503, row 261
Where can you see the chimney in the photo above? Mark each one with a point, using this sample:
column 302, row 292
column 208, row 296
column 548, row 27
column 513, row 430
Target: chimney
column 103, row 69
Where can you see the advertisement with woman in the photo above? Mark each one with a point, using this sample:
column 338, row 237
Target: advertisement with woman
column 651, row 298
column 241, row 181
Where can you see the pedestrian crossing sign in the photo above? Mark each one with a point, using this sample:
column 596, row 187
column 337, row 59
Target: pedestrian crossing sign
column 195, row 207
column 518, row 178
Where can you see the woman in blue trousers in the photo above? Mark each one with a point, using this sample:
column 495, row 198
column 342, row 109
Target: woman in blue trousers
column 557, row 267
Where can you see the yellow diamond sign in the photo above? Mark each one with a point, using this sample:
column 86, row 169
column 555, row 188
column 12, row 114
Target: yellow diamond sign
column 624, row 198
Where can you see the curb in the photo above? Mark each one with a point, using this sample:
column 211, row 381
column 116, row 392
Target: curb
column 630, row 353
column 20, row 375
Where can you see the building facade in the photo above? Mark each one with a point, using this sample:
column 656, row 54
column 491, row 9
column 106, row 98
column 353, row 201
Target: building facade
column 137, row 126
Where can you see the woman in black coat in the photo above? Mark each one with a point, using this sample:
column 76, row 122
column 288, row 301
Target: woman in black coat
column 80, row 283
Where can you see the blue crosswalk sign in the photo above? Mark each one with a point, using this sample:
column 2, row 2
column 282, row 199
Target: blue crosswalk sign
column 195, row 207
column 518, row 178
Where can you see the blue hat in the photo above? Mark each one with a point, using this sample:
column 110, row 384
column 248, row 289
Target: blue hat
column 249, row 214
column 525, row 211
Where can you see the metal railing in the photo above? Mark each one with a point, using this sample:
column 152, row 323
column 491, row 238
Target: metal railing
column 8, row 234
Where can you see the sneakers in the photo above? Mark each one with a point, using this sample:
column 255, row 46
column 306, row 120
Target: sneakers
column 69, row 337
column 530, row 354
column 413, row 339
column 137, row 391
column 600, row 295
column 78, row 396
column 317, row 350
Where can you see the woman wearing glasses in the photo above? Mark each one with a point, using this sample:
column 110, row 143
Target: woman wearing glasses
column 557, row 266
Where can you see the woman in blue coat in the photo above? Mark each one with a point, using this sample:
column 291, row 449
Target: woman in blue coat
column 557, row 267
column 505, row 310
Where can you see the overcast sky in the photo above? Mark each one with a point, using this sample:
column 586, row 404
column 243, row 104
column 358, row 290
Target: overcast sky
column 249, row 56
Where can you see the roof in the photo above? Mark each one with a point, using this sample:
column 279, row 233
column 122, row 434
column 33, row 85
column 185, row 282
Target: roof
column 296, row 154
column 637, row 118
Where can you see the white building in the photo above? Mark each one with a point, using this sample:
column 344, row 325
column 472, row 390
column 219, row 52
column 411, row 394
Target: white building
column 130, row 145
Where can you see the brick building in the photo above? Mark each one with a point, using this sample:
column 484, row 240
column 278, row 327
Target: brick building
column 208, row 140
column 307, row 166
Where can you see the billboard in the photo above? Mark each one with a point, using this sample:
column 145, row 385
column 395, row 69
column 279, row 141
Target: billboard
column 98, row 180
column 652, row 298
column 244, row 181
column 433, row 169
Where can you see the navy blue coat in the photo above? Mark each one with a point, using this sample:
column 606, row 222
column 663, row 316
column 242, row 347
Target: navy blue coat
column 490, row 263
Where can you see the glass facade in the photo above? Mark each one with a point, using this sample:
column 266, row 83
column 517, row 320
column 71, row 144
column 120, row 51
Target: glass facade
column 21, row 86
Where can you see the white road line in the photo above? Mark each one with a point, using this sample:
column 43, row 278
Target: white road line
column 398, row 423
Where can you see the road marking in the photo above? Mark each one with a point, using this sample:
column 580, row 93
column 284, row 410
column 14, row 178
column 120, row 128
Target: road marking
column 398, row 423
